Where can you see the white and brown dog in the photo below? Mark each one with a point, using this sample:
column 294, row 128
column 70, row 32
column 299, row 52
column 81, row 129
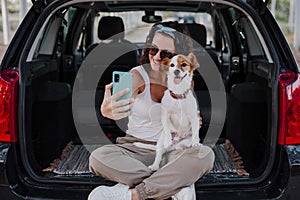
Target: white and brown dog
column 179, row 109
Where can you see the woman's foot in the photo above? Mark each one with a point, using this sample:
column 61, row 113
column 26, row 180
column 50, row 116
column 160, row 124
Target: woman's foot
column 185, row 193
column 117, row 192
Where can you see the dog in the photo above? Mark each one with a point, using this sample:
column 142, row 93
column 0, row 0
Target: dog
column 180, row 117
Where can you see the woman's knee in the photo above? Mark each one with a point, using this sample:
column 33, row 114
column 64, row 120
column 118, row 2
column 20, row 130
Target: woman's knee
column 210, row 160
column 201, row 159
column 98, row 158
column 206, row 158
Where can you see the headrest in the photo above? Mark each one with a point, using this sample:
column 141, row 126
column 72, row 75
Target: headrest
column 109, row 26
column 198, row 33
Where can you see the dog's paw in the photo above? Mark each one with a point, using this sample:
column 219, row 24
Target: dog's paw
column 153, row 167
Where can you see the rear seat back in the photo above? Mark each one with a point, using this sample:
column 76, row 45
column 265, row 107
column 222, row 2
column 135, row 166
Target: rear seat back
column 198, row 33
column 112, row 28
column 111, row 33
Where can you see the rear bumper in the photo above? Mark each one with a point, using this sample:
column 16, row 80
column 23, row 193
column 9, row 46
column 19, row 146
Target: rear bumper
column 7, row 194
column 285, row 184
column 293, row 186
column 4, row 147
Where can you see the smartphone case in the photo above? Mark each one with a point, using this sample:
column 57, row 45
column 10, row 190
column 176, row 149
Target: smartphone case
column 121, row 81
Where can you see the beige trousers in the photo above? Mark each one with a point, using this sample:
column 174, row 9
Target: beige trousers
column 128, row 164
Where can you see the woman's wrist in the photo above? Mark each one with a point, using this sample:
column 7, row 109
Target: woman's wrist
column 103, row 112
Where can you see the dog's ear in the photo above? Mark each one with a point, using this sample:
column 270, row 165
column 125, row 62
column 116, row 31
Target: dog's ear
column 193, row 60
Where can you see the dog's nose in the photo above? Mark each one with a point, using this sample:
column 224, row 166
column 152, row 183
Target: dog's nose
column 176, row 72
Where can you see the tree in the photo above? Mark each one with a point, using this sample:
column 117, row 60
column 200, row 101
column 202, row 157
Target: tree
column 297, row 27
column 273, row 7
column 291, row 16
column 23, row 9
column 5, row 22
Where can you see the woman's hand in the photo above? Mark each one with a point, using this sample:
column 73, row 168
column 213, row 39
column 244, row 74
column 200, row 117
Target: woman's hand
column 113, row 109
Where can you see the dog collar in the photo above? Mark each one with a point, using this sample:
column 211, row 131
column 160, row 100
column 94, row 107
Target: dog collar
column 179, row 96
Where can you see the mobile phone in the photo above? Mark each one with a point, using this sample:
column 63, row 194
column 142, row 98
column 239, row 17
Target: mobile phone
column 121, row 81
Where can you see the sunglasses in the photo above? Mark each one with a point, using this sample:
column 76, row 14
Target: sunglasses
column 163, row 53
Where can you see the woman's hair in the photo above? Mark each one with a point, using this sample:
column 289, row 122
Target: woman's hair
column 178, row 32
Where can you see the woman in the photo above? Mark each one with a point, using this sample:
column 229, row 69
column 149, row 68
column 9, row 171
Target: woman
column 127, row 164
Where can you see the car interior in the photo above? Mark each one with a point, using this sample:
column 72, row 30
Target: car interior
column 232, row 85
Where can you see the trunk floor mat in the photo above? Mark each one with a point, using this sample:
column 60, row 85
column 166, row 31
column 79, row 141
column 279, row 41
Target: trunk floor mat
column 74, row 161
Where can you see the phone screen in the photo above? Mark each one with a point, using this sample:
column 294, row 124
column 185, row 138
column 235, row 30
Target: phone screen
column 121, row 81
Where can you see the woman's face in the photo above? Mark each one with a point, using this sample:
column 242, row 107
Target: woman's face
column 163, row 43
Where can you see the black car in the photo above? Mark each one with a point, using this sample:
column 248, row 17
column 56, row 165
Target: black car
column 247, row 88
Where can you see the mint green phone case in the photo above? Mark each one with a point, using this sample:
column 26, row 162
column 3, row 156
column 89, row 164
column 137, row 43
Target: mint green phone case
column 121, row 81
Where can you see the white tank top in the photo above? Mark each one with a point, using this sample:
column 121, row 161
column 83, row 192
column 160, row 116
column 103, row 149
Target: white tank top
column 145, row 120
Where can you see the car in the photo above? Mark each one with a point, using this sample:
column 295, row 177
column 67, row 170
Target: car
column 63, row 54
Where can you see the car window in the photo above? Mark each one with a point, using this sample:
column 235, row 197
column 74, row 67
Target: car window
column 248, row 41
column 52, row 36
column 132, row 22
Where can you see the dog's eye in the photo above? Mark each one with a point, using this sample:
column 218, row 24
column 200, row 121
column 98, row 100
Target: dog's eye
column 172, row 65
column 183, row 65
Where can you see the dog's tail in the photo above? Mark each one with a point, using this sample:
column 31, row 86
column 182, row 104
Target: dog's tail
column 145, row 146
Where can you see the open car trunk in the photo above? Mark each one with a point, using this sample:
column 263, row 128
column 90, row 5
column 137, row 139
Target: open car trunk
column 237, row 127
column 241, row 150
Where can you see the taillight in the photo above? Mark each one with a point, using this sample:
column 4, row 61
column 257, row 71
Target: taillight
column 8, row 105
column 289, row 107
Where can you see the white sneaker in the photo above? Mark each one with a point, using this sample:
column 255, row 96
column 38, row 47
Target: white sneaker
column 117, row 192
column 186, row 193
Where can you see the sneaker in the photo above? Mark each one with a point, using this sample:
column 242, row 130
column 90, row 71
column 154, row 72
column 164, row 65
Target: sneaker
column 186, row 193
column 117, row 192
